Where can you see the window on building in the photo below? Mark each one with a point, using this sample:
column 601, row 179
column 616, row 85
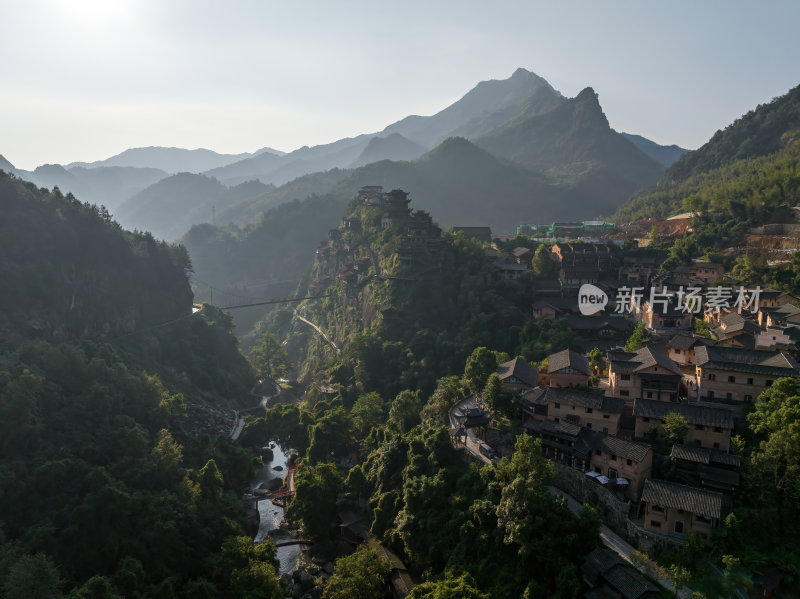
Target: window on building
column 678, row 526
column 731, row 379
column 729, row 396
column 557, row 406
column 624, row 393
column 698, row 443
column 698, row 427
column 712, row 377
column 649, row 395
column 748, row 398
column 716, row 445
column 605, row 430
column 588, row 410
column 749, row 381
column 606, row 416
column 703, row 519
column 588, row 425
column 657, row 508
column 613, row 457
column 655, row 523
column 598, row 452
column 646, row 419
column 625, row 377
column 717, row 429
column 710, row 395
column 629, row 462
column 769, row 383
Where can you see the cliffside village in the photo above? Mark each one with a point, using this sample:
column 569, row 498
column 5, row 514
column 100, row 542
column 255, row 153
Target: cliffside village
column 604, row 428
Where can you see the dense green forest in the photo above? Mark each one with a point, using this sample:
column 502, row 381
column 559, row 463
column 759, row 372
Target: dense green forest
column 751, row 163
column 112, row 480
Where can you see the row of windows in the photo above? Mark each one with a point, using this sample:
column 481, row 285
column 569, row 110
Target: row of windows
column 729, row 396
column 732, row 379
column 697, row 427
column 557, row 406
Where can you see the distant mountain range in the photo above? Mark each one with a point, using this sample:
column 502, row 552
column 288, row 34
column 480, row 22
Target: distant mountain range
column 171, row 206
column 509, row 151
column 173, row 160
column 547, row 157
column 665, row 155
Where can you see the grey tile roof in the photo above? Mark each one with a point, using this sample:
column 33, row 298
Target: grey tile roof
column 568, row 359
column 595, row 323
column 694, row 414
column 521, row 251
column 646, row 357
column 704, row 455
column 551, row 427
column 581, row 398
column 628, row 450
column 519, row 369
column 683, row 497
column 686, row 342
column 600, row 561
column 754, row 361
column 630, row 583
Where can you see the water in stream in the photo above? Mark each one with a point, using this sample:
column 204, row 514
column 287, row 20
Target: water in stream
column 271, row 515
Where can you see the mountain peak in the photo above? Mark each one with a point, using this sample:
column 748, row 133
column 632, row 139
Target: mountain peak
column 587, row 107
column 587, row 93
column 6, row 165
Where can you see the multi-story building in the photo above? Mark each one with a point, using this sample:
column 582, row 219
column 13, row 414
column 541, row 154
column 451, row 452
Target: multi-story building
column 583, row 256
column 735, row 329
column 681, row 350
column 674, row 508
column 781, row 315
column 662, row 314
column 567, row 368
column 734, row 376
column 518, row 375
column 590, row 451
column 645, row 373
column 708, row 426
column 709, row 468
column 700, row 272
column 576, row 406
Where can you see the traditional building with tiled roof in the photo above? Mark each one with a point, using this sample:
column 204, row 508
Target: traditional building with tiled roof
column 646, row 373
column 567, row 368
column 661, row 313
column 781, row 315
column 681, row 350
column 518, row 375
column 708, row 426
column 735, row 376
column 674, row 508
column 592, row 451
column 601, row 330
column 708, row 468
column 611, row 577
column 577, row 406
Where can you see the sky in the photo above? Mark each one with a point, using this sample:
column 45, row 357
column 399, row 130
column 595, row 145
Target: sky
column 83, row 80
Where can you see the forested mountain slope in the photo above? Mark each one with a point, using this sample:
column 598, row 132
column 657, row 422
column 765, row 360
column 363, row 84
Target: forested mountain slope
column 113, row 479
column 751, row 160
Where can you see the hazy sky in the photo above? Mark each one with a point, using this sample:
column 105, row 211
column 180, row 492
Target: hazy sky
column 86, row 79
